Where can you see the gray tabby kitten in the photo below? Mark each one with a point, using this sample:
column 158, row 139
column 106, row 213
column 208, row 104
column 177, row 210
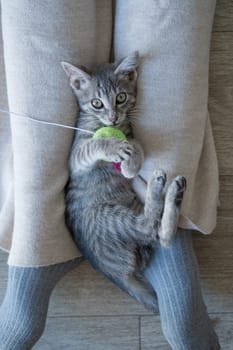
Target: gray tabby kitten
column 114, row 231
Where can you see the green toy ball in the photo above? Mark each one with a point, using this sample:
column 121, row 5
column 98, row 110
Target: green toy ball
column 109, row 131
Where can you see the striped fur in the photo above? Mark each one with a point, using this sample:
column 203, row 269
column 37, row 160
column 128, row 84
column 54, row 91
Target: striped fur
column 114, row 231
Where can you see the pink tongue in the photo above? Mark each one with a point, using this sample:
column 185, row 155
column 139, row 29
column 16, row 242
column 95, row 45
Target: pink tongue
column 117, row 166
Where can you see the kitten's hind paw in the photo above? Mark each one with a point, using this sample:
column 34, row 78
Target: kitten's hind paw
column 171, row 213
column 159, row 176
column 181, row 184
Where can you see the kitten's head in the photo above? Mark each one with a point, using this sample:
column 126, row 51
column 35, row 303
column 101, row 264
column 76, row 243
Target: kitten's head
column 108, row 92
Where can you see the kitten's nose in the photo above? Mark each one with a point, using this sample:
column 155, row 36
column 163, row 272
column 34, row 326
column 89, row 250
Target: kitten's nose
column 113, row 118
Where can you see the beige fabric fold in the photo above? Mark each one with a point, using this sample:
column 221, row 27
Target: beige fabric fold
column 172, row 122
column 6, row 173
column 36, row 37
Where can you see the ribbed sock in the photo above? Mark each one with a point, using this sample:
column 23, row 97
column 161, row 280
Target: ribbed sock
column 25, row 305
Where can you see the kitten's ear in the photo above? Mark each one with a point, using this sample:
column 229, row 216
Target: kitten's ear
column 127, row 67
column 79, row 78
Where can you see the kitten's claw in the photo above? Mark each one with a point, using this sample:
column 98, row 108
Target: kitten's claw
column 118, row 150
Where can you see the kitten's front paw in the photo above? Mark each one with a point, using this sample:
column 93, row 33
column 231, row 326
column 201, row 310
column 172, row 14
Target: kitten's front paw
column 129, row 168
column 118, row 151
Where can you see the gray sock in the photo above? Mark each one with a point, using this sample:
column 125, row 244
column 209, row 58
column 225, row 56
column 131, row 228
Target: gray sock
column 24, row 308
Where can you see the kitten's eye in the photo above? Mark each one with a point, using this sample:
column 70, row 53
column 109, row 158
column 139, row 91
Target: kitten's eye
column 96, row 103
column 121, row 97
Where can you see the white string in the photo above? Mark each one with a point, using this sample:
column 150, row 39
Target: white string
column 44, row 122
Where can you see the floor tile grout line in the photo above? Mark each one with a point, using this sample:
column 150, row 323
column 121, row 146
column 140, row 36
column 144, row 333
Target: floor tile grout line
column 135, row 316
column 222, row 31
column 129, row 316
column 139, row 333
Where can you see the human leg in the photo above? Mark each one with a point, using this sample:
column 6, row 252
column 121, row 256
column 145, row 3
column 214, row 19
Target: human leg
column 25, row 305
column 37, row 36
column 171, row 123
column 173, row 272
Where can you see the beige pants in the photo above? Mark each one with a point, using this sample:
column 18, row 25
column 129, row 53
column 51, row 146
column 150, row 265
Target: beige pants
column 173, row 126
